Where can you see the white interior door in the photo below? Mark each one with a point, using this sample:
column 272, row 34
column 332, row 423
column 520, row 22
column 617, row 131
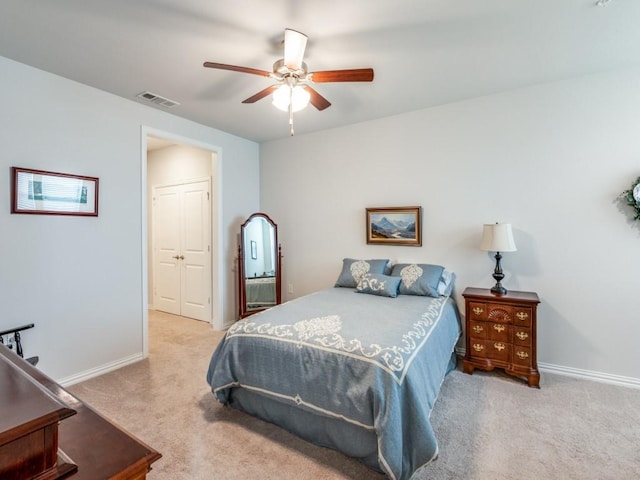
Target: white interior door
column 182, row 249
column 195, row 289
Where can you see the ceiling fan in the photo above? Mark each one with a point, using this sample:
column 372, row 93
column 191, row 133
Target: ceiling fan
column 292, row 91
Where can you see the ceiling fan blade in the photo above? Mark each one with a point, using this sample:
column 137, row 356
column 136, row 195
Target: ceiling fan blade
column 316, row 99
column 261, row 94
column 294, row 46
column 353, row 75
column 234, row 68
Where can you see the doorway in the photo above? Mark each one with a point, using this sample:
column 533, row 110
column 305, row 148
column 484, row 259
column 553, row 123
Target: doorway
column 169, row 159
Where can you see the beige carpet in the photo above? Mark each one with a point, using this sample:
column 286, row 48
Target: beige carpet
column 489, row 426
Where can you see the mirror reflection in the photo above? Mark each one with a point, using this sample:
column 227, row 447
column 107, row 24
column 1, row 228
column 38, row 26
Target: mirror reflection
column 259, row 263
column 259, row 255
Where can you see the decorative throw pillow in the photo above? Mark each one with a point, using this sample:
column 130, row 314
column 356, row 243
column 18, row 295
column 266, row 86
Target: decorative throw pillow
column 418, row 278
column 378, row 284
column 353, row 270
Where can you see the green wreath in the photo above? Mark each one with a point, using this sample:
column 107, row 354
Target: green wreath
column 632, row 197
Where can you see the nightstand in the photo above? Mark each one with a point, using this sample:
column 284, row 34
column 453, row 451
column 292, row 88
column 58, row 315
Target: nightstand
column 501, row 333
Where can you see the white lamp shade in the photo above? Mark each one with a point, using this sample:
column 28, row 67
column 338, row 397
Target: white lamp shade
column 497, row 237
column 298, row 96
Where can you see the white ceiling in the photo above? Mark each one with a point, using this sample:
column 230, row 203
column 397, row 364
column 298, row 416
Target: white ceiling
column 424, row 52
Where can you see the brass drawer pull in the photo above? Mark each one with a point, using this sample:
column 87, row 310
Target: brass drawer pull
column 522, row 335
column 477, row 347
column 522, row 315
column 498, row 327
column 477, row 328
column 499, row 346
column 522, row 355
column 478, row 310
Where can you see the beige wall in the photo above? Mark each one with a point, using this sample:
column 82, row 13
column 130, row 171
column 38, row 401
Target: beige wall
column 82, row 281
column 550, row 159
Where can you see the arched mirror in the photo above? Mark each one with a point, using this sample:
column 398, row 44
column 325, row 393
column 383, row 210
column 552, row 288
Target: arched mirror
column 259, row 265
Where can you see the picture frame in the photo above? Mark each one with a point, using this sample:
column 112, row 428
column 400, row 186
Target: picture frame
column 52, row 193
column 254, row 250
column 394, row 226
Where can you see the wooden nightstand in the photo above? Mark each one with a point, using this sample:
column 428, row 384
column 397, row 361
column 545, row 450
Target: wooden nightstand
column 501, row 332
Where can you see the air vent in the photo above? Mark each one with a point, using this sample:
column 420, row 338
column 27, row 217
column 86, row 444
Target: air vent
column 157, row 99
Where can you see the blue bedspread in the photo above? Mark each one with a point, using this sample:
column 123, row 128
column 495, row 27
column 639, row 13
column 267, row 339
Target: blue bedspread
column 373, row 362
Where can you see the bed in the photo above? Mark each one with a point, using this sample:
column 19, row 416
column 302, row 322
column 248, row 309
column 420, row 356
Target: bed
column 355, row 368
column 260, row 292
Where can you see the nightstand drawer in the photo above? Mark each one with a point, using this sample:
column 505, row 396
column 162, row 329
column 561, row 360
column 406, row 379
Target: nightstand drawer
column 477, row 329
column 498, row 350
column 521, row 336
column 499, row 332
column 477, row 311
column 500, row 313
column 522, row 356
column 478, row 348
column 522, row 316
column 490, row 349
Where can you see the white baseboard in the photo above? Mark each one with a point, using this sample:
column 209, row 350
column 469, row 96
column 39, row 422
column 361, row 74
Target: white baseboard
column 590, row 375
column 582, row 374
column 95, row 372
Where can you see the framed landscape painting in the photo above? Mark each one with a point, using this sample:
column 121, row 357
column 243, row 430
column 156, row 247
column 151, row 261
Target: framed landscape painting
column 394, row 226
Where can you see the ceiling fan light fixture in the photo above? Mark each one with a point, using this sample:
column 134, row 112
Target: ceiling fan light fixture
column 297, row 96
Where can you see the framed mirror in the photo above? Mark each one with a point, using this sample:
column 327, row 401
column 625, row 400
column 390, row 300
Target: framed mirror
column 259, row 265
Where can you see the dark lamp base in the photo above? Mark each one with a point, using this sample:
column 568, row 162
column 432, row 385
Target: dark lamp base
column 499, row 290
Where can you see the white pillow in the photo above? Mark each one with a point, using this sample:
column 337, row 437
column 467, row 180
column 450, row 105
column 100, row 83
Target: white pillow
column 445, row 285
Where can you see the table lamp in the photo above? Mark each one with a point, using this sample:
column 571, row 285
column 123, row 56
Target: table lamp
column 497, row 237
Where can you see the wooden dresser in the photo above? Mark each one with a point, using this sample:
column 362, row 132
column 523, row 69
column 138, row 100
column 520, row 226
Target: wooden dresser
column 47, row 433
column 501, row 332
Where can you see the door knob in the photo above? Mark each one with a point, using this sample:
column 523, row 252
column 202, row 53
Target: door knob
column 181, row 257
column 177, row 257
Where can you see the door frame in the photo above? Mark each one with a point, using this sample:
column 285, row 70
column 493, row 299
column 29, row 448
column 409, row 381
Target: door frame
column 217, row 275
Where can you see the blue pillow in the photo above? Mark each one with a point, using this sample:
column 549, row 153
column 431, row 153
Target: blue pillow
column 378, row 284
column 353, row 270
column 418, row 278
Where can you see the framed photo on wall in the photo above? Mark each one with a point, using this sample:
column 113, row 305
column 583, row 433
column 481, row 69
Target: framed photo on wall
column 394, row 226
column 52, row 193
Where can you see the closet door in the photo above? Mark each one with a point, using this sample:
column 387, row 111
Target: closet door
column 195, row 256
column 182, row 249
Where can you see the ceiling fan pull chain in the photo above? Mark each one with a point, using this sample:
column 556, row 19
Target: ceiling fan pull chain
column 291, row 109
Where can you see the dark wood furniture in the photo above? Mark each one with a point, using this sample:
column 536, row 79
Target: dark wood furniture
column 29, row 428
column 501, row 332
column 33, row 406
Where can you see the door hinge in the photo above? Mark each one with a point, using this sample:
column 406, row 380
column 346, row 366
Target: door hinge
column 207, row 195
column 209, row 300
